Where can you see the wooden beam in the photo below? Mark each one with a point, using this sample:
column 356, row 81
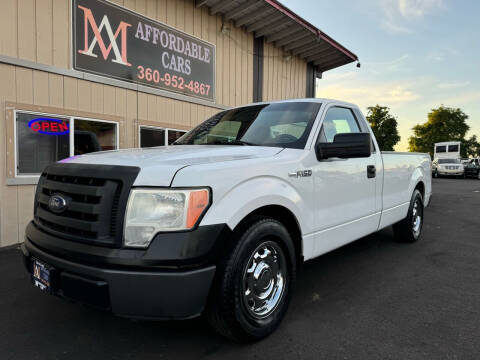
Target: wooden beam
column 304, row 34
column 298, row 44
column 250, row 17
column 287, row 32
column 322, row 54
column 314, row 50
column 199, row 3
column 266, row 21
column 218, row 7
column 240, row 9
column 272, row 27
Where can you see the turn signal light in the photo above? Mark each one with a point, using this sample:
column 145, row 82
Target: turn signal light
column 197, row 204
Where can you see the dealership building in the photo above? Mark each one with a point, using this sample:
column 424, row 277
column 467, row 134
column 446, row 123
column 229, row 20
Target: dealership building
column 79, row 76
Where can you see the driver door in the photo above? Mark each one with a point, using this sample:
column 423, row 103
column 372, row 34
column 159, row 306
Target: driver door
column 345, row 191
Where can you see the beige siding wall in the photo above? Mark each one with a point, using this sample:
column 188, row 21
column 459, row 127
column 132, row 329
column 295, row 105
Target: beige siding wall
column 42, row 34
column 283, row 78
column 39, row 31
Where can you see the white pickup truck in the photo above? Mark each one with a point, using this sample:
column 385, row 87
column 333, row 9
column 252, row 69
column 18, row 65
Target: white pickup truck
column 220, row 222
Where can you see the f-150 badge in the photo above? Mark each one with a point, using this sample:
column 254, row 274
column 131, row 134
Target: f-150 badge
column 300, row 173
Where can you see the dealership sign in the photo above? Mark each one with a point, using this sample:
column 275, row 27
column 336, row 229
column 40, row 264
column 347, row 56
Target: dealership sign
column 115, row 42
column 48, row 126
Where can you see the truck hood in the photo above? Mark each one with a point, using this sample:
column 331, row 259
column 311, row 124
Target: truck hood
column 158, row 165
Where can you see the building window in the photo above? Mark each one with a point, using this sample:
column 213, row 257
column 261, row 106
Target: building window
column 173, row 135
column 151, row 136
column 37, row 144
column 91, row 136
column 42, row 139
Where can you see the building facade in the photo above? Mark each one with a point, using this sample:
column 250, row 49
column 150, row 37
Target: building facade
column 87, row 75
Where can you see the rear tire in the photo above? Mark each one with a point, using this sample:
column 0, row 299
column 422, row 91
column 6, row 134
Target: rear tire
column 409, row 229
column 254, row 283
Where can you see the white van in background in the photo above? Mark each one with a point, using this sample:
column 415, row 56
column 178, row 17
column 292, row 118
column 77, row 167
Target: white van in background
column 447, row 150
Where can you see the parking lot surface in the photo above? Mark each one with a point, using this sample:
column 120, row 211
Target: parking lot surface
column 373, row 299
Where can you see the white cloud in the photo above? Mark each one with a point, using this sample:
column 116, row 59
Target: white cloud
column 452, row 51
column 390, row 64
column 453, row 85
column 435, row 57
column 440, row 55
column 418, row 8
column 462, row 99
column 400, row 14
column 369, row 95
column 341, row 75
column 395, row 28
column 381, row 68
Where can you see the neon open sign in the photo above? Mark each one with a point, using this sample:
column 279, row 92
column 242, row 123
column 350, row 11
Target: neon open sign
column 49, row 126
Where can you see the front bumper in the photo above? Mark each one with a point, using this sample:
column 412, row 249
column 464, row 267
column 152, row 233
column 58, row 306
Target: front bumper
column 123, row 284
column 450, row 172
column 471, row 172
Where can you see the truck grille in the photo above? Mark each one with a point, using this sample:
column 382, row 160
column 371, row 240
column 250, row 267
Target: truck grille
column 96, row 198
column 452, row 167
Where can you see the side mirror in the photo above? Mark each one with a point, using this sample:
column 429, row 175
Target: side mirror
column 345, row 146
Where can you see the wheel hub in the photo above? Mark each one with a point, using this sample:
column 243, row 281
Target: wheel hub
column 416, row 219
column 264, row 280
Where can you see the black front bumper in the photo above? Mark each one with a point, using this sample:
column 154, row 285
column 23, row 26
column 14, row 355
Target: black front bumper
column 132, row 283
column 471, row 172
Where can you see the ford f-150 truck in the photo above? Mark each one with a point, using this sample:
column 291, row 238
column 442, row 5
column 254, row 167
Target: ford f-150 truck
column 218, row 223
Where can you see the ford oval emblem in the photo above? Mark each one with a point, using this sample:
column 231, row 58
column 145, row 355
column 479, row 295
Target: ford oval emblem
column 57, row 203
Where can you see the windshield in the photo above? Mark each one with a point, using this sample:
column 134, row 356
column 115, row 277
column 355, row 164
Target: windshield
column 449, row 161
column 281, row 124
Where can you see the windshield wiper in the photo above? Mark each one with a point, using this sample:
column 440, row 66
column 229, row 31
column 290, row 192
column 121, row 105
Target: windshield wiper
column 232, row 142
column 240, row 142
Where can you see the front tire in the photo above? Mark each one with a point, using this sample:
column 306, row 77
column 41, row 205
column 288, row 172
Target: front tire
column 254, row 284
column 410, row 229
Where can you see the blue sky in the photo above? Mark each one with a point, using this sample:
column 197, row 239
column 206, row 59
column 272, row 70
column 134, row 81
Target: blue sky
column 414, row 55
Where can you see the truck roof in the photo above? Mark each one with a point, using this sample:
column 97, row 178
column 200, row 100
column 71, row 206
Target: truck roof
column 448, row 143
column 315, row 100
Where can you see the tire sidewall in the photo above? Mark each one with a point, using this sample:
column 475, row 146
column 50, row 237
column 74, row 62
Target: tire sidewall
column 258, row 233
column 416, row 196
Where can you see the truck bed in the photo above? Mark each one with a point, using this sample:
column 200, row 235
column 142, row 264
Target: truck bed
column 400, row 171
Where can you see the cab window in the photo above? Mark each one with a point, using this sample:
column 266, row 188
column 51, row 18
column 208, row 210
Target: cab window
column 338, row 120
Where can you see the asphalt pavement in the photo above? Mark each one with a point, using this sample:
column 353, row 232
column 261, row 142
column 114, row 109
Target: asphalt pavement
column 372, row 299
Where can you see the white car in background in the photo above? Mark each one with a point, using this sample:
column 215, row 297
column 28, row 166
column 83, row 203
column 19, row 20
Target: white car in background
column 447, row 167
column 447, row 150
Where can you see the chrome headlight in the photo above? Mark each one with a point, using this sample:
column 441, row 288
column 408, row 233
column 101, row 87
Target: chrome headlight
column 150, row 211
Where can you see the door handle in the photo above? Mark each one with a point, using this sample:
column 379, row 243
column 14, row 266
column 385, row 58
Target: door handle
column 371, row 171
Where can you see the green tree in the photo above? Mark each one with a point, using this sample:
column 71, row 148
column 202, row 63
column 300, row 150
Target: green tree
column 470, row 147
column 443, row 124
column 384, row 126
